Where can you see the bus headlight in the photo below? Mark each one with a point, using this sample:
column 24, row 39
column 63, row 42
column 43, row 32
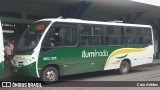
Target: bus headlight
column 23, row 60
column 25, row 63
column 32, row 57
column 17, row 59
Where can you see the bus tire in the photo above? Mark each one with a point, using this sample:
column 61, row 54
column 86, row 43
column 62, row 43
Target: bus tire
column 124, row 67
column 50, row 75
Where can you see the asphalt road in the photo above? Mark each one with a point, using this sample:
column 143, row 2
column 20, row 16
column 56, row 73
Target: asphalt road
column 138, row 74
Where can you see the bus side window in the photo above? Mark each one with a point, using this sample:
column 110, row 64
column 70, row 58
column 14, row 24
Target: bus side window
column 49, row 38
column 127, row 41
column 140, row 40
column 86, row 32
column 107, row 40
column 91, row 35
column 97, row 37
column 113, row 35
column 123, row 40
column 97, row 40
column 61, row 34
column 147, row 40
column 56, row 36
column 86, row 40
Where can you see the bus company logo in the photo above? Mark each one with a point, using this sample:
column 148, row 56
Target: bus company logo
column 94, row 53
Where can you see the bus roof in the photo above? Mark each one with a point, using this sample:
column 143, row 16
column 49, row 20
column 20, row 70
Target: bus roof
column 70, row 20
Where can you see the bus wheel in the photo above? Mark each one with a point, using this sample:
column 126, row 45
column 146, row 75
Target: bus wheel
column 124, row 67
column 49, row 75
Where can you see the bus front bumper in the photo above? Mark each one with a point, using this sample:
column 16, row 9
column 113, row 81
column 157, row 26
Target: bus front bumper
column 29, row 70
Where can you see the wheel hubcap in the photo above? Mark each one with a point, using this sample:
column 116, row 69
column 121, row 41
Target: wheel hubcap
column 50, row 76
column 124, row 68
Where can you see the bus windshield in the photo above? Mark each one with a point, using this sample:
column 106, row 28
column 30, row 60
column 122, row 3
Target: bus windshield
column 31, row 36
